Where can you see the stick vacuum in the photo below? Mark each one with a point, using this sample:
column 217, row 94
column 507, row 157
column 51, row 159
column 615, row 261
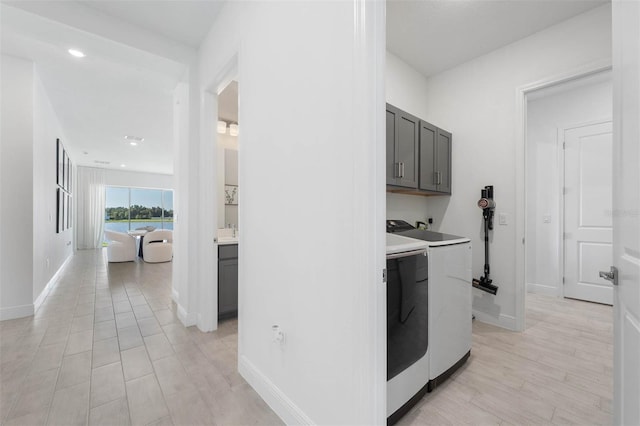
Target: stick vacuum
column 488, row 206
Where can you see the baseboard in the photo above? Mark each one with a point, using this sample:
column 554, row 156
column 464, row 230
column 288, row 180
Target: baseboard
column 186, row 318
column 45, row 291
column 504, row 321
column 13, row 312
column 546, row 290
column 286, row 409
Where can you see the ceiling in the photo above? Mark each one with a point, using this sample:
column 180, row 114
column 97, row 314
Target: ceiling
column 186, row 21
column 435, row 35
column 124, row 86
column 137, row 51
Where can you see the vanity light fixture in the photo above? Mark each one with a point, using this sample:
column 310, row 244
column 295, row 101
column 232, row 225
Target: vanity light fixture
column 233, row 129
column 222, row 127
column 76, row 53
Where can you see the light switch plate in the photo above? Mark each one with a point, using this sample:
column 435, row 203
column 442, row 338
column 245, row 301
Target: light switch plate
column 502, row 218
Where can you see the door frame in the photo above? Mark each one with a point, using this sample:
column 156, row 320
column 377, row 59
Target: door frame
column 208, row 194
column 520, row 166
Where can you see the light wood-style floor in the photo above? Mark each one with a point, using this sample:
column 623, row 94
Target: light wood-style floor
column 106, row 348
column 558, row 371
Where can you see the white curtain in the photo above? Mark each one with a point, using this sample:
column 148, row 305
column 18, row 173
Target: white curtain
column 91, row 204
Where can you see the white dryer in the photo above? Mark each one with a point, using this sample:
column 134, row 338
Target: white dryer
column 449, row 307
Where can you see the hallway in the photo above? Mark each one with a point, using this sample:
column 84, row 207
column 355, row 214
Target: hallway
column 106, row 348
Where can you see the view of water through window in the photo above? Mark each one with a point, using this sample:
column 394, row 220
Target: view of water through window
column 131, row 208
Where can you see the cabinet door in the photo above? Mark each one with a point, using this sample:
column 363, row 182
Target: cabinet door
column 407, row 146
column 402, row 148
column 391, row 146
column 428, row 137
column 227, row 288
column 443, row 161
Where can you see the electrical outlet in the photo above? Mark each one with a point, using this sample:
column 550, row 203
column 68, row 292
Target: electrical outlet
column 502, row 219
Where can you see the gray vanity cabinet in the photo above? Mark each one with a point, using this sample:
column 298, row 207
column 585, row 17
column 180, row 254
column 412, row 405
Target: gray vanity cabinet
column 435, row 159
column 402, row 148
column 227, row 281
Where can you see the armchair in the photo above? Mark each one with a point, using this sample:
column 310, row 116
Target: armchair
column 121, row 247
column 158, row 246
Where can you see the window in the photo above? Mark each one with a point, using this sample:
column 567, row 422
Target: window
column 131, row 208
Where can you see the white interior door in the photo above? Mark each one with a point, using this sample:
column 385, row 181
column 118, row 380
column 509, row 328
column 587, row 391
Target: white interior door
column 588, row 212
column 626, row 208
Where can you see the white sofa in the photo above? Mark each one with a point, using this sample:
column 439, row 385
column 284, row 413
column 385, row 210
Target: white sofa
column 157, row 246
column 121, row 247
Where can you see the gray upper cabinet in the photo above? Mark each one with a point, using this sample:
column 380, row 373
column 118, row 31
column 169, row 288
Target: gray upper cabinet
column 443, row 161
column 402, row 148
column 428, row 176
column 418, row 155
column 435, row 159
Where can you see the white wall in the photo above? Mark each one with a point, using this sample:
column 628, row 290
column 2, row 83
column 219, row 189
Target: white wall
column 181, row 270
column 548, row 111
column 32, row 252
column 405, row 87
column 50, row 250
column 138, row 179
column 476, row 101
column 16, row 228
column 311, row 212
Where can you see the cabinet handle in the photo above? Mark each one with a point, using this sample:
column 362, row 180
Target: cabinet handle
column 439, row 178
column 396, row 170
column 435, row 178
column 402, row 165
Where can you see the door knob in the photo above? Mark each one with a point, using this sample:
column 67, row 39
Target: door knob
column 612, row 275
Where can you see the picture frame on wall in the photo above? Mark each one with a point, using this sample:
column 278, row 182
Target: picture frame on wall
column 59, row 162
column 67, row 203
column 59, row 210
column 231, row 195
column 66, row 171
column 69, row 211
column 70, row 175
column 64, row 200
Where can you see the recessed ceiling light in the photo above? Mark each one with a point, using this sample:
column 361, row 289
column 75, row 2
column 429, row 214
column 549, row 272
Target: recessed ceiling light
column 77, row 53
column 122, row 165
column 133, row 139
column 132, row 143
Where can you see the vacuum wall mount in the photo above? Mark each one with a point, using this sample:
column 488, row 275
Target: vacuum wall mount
column 488, row 206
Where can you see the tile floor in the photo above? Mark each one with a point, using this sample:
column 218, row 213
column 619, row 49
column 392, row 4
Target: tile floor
column 106, row 348
column 558, row 371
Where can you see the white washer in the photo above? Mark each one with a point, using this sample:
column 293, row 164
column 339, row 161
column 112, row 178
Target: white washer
column 407, row 341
